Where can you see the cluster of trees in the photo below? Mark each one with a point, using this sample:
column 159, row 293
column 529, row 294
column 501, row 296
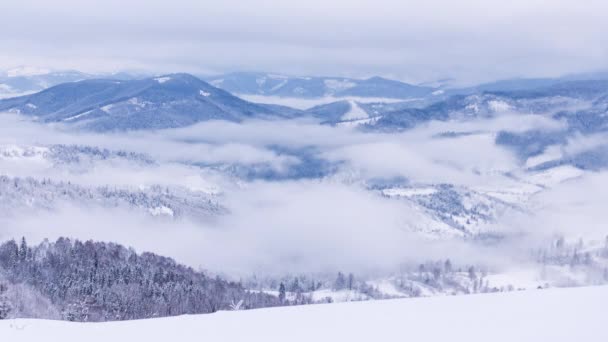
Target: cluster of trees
column 95, row 281
column 80, row 153
column 578, row 253
column 443, row 277
column 589, row 258
column 19, row 192
column 451, row 204
column 344, row 282
column 300, row 288
column 432, row 277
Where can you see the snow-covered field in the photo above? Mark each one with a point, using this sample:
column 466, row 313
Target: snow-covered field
column 576, row 314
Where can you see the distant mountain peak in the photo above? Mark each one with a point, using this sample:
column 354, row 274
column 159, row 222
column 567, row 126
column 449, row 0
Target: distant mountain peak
column 165, row 101
column 26, row 71
column 268, row 84
column 378, row 79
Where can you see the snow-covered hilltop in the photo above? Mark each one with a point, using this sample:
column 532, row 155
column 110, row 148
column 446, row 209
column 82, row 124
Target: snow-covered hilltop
column 542, row 315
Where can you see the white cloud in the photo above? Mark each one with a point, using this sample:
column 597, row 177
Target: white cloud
column 581, row 143
column 411, row 40
column 574, row 209
column 306, row 225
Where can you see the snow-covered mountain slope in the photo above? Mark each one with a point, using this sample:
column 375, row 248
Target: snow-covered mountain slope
column 87, row 165
column 462, row 209
column 48, row 177
column 67, row 173
column 314, row 87
column 555, row 99
column 526, row 316
column 354, row 112
column 18, row 194
column 64, row 154
column 448, row 210
column 563, row 112
column 344, row 112
column 167, row 101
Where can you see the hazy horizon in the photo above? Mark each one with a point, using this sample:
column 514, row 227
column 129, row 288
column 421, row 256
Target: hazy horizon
column 34, row 70
column 471, row 41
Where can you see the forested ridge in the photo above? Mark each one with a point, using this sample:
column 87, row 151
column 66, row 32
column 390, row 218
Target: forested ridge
column 97, row 281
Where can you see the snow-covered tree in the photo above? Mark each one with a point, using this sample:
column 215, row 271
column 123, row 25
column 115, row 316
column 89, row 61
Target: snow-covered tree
column 282, row 293
column 351, row 281
column 5, row 305
column 340, row 282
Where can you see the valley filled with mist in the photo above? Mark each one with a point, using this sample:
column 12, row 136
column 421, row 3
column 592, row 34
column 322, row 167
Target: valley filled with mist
column 341, row 190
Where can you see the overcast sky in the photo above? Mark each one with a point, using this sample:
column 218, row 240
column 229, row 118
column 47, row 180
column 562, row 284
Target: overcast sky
column 469, row 40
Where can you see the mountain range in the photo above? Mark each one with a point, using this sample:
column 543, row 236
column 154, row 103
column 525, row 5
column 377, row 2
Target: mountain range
column 251, row 83
column 167, row 101
column 178, row 100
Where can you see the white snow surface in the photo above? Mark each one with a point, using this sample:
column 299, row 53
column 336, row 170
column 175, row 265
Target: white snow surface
column 338, row 85
column 16, row 159
column 355, row 112
column 137, row 102
column 550, row 154
column 162, row 80
column 161, row 211
column 409, row 192
column 16, row 151
column 280, row 85
column 499, row 106
column 107, row 108
column 574, row 314
column 338, row 296
column 217, row 83
column 528, row 184
column 72, row 118
column 358, row 122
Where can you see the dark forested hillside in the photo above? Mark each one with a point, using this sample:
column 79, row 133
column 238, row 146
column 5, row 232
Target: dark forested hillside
column 96, row 281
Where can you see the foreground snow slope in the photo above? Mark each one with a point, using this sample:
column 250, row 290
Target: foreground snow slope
column 576, row 314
